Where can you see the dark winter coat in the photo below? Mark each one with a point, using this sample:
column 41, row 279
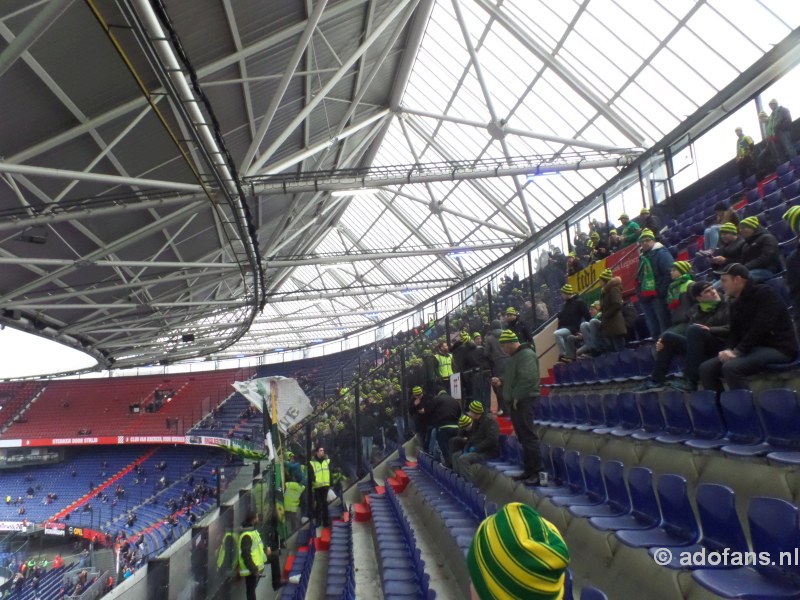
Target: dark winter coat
column 731, row 252
column 521, row 329
column 444, row 410
column 759, row 318
column 761, row 251
column 495, row 354
column 522, row 375
column 573, row 314
column 717, row 321
column 485, row 436
column 612, row 321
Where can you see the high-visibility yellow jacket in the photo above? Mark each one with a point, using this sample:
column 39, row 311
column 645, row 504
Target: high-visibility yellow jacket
column 256, row 552
column 322, row 472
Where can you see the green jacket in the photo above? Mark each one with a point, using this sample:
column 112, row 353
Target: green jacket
column 631, row 232
column 485, row 436
column 521, row 378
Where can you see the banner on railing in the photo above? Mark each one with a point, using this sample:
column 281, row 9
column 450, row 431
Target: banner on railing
column 58, row 529
column 624, row 263
column 13, row 525
column 293, row 404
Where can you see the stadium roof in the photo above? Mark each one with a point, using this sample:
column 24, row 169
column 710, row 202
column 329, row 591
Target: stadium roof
column 175, row 173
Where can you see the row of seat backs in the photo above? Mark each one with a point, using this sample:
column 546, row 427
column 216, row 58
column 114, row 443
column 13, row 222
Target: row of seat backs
column 459, row 488
column 625, row 365
column 774, row 523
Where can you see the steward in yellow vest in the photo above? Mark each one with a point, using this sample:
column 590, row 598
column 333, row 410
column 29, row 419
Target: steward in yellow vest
column 321, row 483
column 253, row 555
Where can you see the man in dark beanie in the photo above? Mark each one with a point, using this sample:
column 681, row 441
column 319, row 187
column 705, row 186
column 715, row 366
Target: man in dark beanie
column 761, row 332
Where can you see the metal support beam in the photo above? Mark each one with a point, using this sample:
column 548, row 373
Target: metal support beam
column 35, row 28
column 377, row 290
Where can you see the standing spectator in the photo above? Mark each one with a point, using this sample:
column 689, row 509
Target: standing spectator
column 484, row 440
column 780, row 125
column 678, row 300
column 745, row 160
column 516, row 555
column 370, row 418
column 629, row 232
column 321, row 483
column 515, row 324
column 521, row 394
column 477, row 364
column 612, row 321
column 761, row 253
column 761, row 332
column 652, row 282
column 498, row 359
column 540, row 308
column 792, row 216
column 418, row 411
column 444, row 363
column 292, row 496
column 570, row 318
column 444, row 414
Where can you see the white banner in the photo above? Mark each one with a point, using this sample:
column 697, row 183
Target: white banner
column 293, row 404
column 455, row 386
column 12, row 526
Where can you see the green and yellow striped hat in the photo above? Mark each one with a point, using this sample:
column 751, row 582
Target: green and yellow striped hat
column 465, row 337
column 606, row 274
column 416, row 391
column 646, row 235
column 511, row 310
column 476, row 406
column 464, row 421
column 507, row 337
column 751, row 222
column 518, row 555
column 477, row 334
column 567, row 289
column 792, row 216
column 729, row 228
column 682, row 266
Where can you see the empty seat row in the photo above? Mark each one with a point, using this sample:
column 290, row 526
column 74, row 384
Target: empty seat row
column 739, row 424
column 341, row 582
column 664, row 522
column 626, row 365
column 399, row 560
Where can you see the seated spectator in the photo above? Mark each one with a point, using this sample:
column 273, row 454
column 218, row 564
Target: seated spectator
column 722, row 214
column 483, row 440
column 678, row 300
column 570, row 318
column 590, row 333
column 461, row 440
column 706, row 335
column 614, row 241
column 730, row 246
column 792, row 276
column 649, row 221
column 574, row 264
column 761, row 254
column 517, row 555
column 761, row 332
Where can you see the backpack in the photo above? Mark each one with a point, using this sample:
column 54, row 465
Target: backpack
column 630, row 314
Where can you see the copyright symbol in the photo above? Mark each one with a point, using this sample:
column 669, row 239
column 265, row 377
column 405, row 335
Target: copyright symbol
column 662, row 556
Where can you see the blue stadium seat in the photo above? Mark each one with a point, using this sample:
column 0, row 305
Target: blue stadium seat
column 630, row 418
column 744, row 426
column 716, row 506
column 791, row 190
column 592, row 593
column 781, row 417
column 773, row 529
column 581, row 412
column 644, row 512
column 611, row 414
column 594, row 492
column 771, row 186
column 594, row 404
column 782, row 169
column 751, row 209
column 618, row 501
column 678, row 525
column 678, row 423
column 709, row 428
column 568, row 475
column 652, row 417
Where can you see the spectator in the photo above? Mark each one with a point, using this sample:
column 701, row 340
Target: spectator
column 369, row 422
column 792, row 216
column 484, row 440
column 443, row 414
column 629, row 232
column 540, row 309
column 515, row 324
column 573, row 313
column 590, row 333
column 497, row 360
column 745, row 159
column 722, row 214
column 291, row 502
column 517, row 555
column 761, row 253
column 574, row 264
column 476, row 365
column 779, row 127
column 615, row 241
column 730, row 247
column 704, row 338
column 520, row 387
column 652, row 282
column 460, row 442
column 649, row 221
column 612, row 321
column 761, row 332
column 418, row 411
column 678, row 300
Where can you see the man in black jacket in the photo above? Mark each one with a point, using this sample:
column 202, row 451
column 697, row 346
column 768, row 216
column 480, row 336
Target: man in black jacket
column 729, row 249
column 444, row 414
column 761, row 253
column 570, row 318
column 514, row 323
column 761, row 332
column 483, row 442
